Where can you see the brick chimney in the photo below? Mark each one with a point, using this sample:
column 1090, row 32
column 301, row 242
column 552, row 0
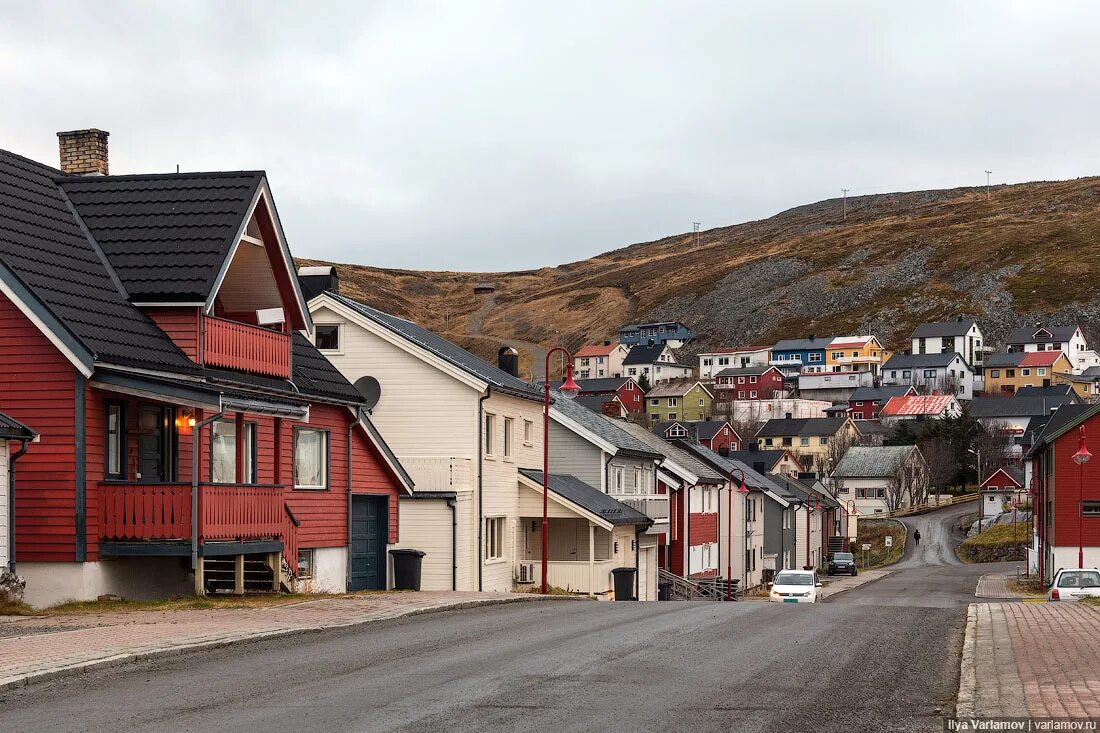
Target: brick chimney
column 83, row 152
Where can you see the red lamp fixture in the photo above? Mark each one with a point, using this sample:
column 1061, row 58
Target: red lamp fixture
column 1081, row 457
column 569, row 388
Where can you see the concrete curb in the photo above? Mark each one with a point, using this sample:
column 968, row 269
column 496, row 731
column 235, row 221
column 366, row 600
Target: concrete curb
column 245, row 637
column 968, row 678
column 862, row 584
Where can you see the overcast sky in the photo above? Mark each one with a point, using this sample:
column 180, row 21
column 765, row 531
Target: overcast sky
column 499, row 135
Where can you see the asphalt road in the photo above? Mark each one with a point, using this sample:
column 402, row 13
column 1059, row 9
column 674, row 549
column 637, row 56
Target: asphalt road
column 881, row 657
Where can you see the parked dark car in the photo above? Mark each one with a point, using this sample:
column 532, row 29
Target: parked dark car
column 841, row 563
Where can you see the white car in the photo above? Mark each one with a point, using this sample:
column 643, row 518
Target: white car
column 1075, row 584
column 794, row 586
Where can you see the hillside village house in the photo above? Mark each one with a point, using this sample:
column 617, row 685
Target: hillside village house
column 1020, row 417
column 809, row 439
column 670, row 333
column 758, row 411
column 960, row 335
column 599, row 360
column 793, row 356
column 866, row 403
column 1067, row 516
column 1003, row 489
column 932, row 372
column 625, row 388
column 690, row 549
column 14, row 440
column 816, row 383
column 821, row 525
column 1068, row 339
column 595, row 450
column 716, row 435
column 855, row 354
column 1009, row 372
column 191, row 439
column 767, row 513
column 609, row 405
column 761, row 382
column 682, row 400
column 1085, row 385
column 777, row 462
column 656, row 363
column 919, row 407
column 712, row 362
column 462, row 427
column 881, row 479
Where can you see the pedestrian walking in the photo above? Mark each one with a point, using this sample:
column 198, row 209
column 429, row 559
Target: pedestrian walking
column 916, row 536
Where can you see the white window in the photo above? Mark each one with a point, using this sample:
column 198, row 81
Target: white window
column 701, row 403
column 655, row 402
column 632, row 371
column 116, row 441
column 1025, row 372
column 310, row 458
column 752, row 394
column 618, row 479
column 327, row 337
column 804, row 441
column 671, row 402
column 752, row 380
column 528, row 427
column 509, row 431
column 929, row 373
column 489, row 438
column 494, row 538
column 1041, row 372
column 637, row 480
column 677, row 431
column 814, row 357
column 223, row 452
column 305, row 563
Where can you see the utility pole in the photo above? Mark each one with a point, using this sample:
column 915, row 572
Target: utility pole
column 695, row 228
column 844, row 215
column 987, row 174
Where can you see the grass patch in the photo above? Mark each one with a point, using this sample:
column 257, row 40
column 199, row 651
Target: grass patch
column 999, row 543
column 874, row 532
column 16, row 608
column 190, row 603
column 552, row 590
column 1026, row 587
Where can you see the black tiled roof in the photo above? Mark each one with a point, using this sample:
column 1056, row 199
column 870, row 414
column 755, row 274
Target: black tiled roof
column 644, row 354
column 12, row 429
column 596, row 384
column 315, row 375
column 590, row 498
column 1005, row 359
column 1035, row 406
column 805, row 426
column 165, row 235
column 877, row 394
column 919, row 361
column 1051, row 390
column 1027, row 334
column 43, row 245
column 441, row 347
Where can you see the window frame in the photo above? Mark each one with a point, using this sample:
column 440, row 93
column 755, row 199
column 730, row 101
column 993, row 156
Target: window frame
column 528, row 432
column 339, row 338
column 326, row 463
column 121, row 474
column 509, row 434
column 494, row 540
column 488, row 435
column 311, row 563
column 250, row 427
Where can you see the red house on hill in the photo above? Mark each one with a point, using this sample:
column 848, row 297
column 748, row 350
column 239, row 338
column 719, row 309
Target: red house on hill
column 191, row 438
column 625, row 388
column 748, row 383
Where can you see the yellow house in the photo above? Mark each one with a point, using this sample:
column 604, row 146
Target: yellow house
column 1007, row 373
column 687, row 400
column 855, row 354
column 816, row 442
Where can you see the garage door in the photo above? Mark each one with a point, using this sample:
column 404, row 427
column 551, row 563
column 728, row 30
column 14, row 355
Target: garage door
column 369, row 532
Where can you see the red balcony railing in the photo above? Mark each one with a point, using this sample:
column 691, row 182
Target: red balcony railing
column 250, row 348
column 145, row 512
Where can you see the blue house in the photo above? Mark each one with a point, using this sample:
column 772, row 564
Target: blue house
column 673, row 333
column 794, row 356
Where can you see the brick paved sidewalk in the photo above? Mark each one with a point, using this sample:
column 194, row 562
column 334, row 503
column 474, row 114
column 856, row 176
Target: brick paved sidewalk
column 1030, row 660
column 995, row 585
column 34, row 648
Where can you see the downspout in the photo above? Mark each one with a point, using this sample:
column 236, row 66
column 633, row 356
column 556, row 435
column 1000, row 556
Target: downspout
column 481, row 481
column 347, row 565
column 196, row 439
column 11, row 502
column 453, row 504
column 687, row 532
column 637, row 563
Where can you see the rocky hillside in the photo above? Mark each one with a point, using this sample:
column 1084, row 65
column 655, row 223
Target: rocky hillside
column 1028, row 252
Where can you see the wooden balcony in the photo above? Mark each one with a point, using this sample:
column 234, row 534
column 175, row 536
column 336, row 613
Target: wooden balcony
column 440, row 473
column 249, row 348
column 133, row 512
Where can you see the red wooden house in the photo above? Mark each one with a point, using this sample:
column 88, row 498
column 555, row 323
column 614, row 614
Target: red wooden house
column 716, row 435
column 191, row 438
column 866, row 403
column 748, row 383
column 1066, row 494
column 625, row 388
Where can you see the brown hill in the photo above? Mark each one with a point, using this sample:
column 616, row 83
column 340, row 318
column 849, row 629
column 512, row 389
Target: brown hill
column 1026, row 253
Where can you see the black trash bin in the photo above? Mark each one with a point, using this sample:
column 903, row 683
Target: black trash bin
column 624, row 584
column 664, row 591
column 406, row 569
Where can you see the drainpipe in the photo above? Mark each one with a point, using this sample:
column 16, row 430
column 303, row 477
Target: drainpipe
column 481, row 481
column 347, row 563
column 11, row 502
column 637, row 563
column 453, row 504
column 196, row 440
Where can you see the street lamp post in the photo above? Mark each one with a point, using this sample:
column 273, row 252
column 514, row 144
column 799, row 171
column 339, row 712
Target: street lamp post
column 568, row 390
column 743, row 490
column 1081, row 457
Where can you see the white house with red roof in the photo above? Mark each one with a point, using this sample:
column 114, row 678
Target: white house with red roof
column 920, row 407
column 599, row 360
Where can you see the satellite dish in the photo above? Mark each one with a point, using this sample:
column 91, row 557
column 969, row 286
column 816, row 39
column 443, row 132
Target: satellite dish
column 370, row 389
